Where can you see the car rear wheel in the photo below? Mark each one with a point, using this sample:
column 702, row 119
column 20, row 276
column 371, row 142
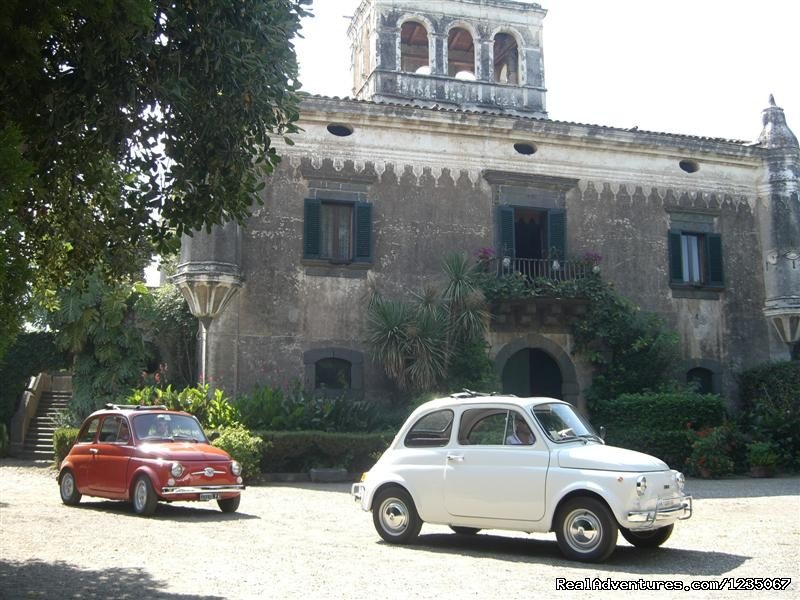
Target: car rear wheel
column 69, row 491
column 464, row 530
column 395, row 516
column 144, row 498
column 586, row 530
column 652, row 538
column 229, row 505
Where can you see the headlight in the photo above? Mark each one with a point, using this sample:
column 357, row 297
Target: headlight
column 177, row 469
column 641, row 485
column 680, row 480
column 236, row 468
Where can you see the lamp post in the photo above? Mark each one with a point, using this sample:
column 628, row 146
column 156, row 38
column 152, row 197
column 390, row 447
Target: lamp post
column 209, row 276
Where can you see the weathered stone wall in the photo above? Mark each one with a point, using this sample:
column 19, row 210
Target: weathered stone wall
column 423, row 172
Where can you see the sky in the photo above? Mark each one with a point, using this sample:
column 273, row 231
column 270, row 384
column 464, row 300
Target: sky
column 692, row 67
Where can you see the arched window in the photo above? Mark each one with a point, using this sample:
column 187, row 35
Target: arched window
column 414, row 56
column 460, row 54
column 506, row 59
column 701, row 379
column 333, row 374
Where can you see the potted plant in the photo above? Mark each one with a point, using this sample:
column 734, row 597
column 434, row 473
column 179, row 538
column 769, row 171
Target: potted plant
column 762, row 457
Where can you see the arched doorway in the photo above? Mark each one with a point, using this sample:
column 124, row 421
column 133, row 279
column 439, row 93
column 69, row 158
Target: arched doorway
column 532, row 372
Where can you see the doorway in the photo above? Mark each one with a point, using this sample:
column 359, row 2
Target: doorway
column 532, row 372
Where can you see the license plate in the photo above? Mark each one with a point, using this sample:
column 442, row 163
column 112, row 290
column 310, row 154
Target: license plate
column 210, row 496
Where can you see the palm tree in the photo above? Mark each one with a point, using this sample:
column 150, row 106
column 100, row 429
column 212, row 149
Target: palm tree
column 414, row 342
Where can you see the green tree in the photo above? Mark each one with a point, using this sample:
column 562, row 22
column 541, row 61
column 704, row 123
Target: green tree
column 126, row 123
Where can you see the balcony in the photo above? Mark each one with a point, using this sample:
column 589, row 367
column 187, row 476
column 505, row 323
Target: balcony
column 543, row 269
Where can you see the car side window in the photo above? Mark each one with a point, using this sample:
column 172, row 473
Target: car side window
column 432, row 430
column 494, row 427
column 88, row 432
column 109, row 432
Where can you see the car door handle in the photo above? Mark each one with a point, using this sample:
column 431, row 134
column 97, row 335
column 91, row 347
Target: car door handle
column 94, row 450
column 455, row 458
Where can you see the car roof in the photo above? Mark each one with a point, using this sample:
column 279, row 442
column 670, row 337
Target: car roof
column 473, row 398
column 131, row 409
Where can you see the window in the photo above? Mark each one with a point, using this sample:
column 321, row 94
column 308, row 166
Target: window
column 695, row 259
column 460, row 54
column 532, row 234
column 493, row 427
column 506, row 59
column 110, row 432
column 332, row 374
column 339, row 232
column 414, row 48
column 432, row 430
column 89, row 431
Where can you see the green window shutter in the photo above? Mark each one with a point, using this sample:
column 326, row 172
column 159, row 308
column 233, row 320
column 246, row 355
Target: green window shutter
column 557, row 234
column 312, row 233
column 714, row 276
column 675, row 257
column 506, row 225
column 363, row 236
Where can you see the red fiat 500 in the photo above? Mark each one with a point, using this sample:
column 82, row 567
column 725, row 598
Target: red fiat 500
column 144, row 454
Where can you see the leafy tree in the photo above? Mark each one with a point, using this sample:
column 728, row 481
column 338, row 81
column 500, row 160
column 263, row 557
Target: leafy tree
column 127, row 123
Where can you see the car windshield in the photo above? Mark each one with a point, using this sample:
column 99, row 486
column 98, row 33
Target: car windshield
column 561, row 423
column 168, row 427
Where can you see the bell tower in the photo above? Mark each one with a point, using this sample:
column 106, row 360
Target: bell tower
column 467, row 54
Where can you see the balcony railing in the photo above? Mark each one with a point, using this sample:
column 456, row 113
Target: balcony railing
column 540, row 268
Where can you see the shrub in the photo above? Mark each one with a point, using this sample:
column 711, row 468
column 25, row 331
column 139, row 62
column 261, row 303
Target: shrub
column 63, row 440
column 245, row 448
column 299, row 451
column 213, row 410
column 656, row 423
column 711, row 452
column 762, row 454
column 770, row 396
column 268, row 408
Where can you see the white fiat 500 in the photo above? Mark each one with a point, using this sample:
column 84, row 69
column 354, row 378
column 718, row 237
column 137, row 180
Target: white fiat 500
column 476, row 462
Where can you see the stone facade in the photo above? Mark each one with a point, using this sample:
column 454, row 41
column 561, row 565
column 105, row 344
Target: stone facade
column 411, row 180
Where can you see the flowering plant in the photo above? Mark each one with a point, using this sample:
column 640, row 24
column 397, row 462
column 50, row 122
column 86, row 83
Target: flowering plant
column 710, row 457
column 485, row 253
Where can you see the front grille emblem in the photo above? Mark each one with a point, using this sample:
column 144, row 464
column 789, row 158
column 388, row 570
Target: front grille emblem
column 209, row 472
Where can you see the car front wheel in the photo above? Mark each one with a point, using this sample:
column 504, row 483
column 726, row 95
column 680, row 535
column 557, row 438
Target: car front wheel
column 229, row 505
column 586, row 530
column 69, row 491
column 395, row 516
column 144, row 498
column 652, row 538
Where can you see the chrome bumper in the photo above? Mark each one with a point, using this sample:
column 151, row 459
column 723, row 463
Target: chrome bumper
column 673, row 509
column 357, row 491
column 201, row 489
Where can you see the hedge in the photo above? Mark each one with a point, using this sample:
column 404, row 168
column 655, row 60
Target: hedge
column 299, row 451
column 658, row 423
column 63, row 439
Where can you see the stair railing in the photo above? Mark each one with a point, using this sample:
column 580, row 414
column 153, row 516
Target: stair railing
column 27, row 409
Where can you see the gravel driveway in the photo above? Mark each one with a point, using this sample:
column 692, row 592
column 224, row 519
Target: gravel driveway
column 310, row 540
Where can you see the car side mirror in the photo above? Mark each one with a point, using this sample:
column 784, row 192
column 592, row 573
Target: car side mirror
column 213, row 435
column 603, row 432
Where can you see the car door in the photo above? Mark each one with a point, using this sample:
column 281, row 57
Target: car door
column 111, row 452
column 81, row 455
column 489, row 475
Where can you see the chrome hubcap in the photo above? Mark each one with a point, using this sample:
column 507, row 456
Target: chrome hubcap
column 583, row 530
column 394, row 516
column 67, row 486
column 140, row 495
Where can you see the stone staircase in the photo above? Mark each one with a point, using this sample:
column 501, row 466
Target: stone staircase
column 39, row 438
